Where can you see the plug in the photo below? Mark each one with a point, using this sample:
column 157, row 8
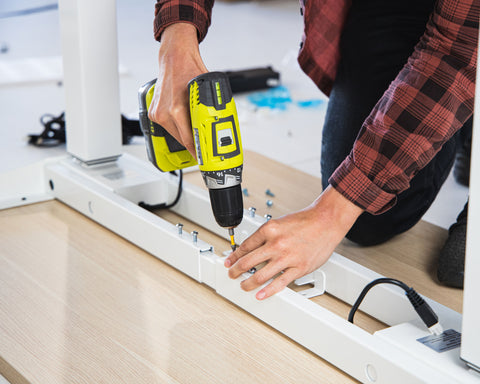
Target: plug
column 426, row 313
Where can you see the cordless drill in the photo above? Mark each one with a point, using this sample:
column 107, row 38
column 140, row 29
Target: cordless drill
column 217, row 144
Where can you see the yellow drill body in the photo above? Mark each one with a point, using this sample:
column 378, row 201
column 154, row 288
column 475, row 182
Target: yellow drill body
column 217, row 143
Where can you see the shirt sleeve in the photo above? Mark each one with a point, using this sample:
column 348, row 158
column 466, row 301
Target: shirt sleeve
column 196, row 12
column 429, row 100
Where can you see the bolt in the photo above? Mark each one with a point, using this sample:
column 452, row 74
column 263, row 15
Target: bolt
column 267, row 217
column 269, row 193
column 269, row 203
column 180, row 228
column 252, row 211
column 194, row 236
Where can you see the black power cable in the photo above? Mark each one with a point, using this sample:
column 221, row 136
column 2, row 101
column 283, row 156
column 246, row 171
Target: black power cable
column 165, row 205
column 426, row 313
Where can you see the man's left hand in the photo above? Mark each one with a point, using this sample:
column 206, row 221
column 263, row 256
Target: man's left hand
column 293, row 245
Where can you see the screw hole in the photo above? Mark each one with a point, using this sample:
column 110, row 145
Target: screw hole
column 371, row 373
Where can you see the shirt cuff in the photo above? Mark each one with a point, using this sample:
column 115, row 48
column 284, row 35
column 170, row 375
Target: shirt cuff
column 168, row 13
column 359, row 189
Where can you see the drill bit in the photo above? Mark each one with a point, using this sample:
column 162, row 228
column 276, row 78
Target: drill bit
column 232, row 239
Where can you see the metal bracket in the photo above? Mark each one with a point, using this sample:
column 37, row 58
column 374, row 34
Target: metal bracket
column 318, row 278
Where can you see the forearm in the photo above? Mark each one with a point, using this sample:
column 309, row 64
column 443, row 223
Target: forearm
column 331, row 206
column 178, row 41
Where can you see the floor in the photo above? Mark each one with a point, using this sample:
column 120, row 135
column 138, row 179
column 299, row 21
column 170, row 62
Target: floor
column 244, row 34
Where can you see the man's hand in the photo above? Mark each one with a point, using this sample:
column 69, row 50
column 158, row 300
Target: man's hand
column 293, row 245
column 179, row 61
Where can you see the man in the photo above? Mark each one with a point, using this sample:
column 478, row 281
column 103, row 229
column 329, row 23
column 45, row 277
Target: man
column 401, row 80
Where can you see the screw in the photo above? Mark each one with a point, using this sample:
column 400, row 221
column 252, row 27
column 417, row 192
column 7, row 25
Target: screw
column 252, row 211
column 267, row 217
column 180, row 228
column 269, row 203
column 194, row 236
column 252, row 270
column 269, row 193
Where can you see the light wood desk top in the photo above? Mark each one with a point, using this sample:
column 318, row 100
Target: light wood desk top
column 79, row 304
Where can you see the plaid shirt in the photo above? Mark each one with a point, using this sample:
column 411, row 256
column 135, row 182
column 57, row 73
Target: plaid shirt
column 429, row 100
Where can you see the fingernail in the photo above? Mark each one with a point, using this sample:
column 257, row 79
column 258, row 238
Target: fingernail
column 261, row 295
column 227, row 263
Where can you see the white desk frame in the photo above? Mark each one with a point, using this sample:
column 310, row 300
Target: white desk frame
column 96, row 181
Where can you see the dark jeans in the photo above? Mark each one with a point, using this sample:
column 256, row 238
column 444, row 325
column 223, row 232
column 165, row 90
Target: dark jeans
column 378, row 38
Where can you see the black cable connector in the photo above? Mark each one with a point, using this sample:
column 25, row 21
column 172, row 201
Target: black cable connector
column 426, row 313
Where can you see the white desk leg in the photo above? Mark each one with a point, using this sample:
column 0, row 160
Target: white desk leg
column 90, row 65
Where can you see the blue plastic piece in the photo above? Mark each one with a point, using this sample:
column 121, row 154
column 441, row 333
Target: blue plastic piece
column 279, row 98
column 310, row 103
column 274, row 98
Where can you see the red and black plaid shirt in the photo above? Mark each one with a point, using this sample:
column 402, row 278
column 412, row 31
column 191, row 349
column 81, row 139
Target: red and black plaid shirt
column 429, row 100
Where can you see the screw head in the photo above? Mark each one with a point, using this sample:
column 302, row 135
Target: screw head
column 180, row 228
column 194, row 236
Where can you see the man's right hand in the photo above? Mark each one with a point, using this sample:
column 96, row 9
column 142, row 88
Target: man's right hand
column 179, row 61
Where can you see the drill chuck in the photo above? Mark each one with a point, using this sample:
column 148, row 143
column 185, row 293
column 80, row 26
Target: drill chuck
column 227, row 205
